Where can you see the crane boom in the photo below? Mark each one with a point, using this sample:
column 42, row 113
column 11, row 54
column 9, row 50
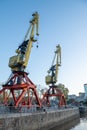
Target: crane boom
column 51, row 78
column 19, row 62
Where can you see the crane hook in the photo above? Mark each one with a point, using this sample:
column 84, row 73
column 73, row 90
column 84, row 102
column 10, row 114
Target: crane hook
column 37, row 45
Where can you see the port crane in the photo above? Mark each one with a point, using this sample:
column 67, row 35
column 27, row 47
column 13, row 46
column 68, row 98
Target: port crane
column 51, row 80
column 19, row 80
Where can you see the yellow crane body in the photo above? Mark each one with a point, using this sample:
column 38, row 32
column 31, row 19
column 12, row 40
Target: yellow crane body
column 20, row 60
column 51, row 78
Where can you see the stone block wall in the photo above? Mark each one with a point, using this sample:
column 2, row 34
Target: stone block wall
column 36, row 121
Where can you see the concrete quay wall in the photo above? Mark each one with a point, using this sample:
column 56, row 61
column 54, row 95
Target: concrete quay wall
column 36, row 121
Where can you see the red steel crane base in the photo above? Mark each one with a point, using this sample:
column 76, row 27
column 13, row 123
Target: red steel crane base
column 20, row 81
column 51, row 92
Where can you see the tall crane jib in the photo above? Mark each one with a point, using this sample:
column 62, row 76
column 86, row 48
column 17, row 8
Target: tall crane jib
column 20, row 60
column 51, row 78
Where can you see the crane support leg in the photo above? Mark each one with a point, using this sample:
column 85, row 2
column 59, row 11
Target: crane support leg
column 54, row 92
column 27, row 90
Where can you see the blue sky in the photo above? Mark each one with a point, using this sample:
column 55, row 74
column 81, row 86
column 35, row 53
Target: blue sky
column 62, row 22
